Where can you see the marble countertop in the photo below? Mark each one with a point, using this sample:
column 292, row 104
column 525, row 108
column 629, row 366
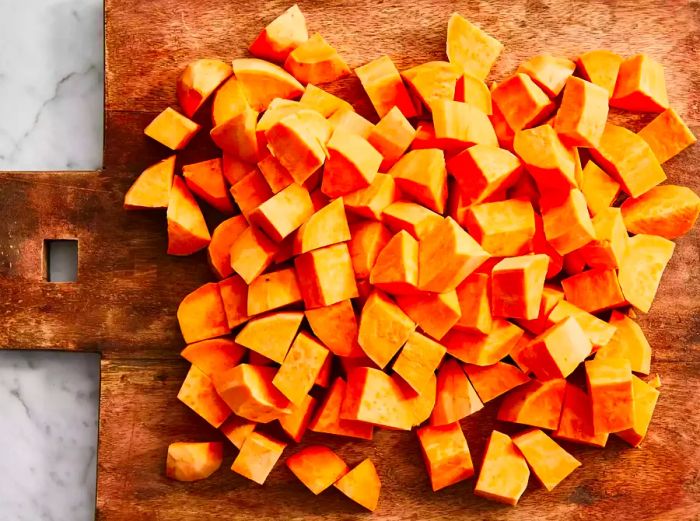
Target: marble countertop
column 51, row 79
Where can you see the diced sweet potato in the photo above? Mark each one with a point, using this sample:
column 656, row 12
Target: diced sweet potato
column 263, row 81
column 368, row 238
column 300, row 368
column 234, row 295
column 201, row 314
column 421, row 174
column 273, row 290
column 371, row 201
column 412, row 217
column 541, row 245
column 548, row 461
column 326, row 276
column 594, row 290
column 237, row 135
column 284, row 212
column 277, row 177
column 504, row 133
column 600, row 67
column 550, row 298
column 610, row 388
column 629, row 343
column 281, row 36
column 382, row 82
column 609, row 248
column 322, row 101
column 327, row 226
column 372, row 396
column 250, row 191
column 336, row 327
column 317, row 467
column 384, row 328
column 206, row 180
column 446, row 454
column 598, row 331
column 418, row 360
column 567, row 224
column 315, row 61
column 644, row 397
column 474, row 303
column 434, row 313
column 482, row 170
column 425, row 137
column 361, row 485
column 151, row 189
column 352, row 164
column 251, row 253
column 278, row 109
column 347, row 121
column 214, row 355
column 516, row 286
column 583, row 112
column 396, row 268
column 327, row 418
column 474, row 91
column 640, row 85
column 199, row 394
column 483, row 349
column 172, row 129
column 471, row 48
column 576, row 422
column 503, row 228
column 537, row 404
column 504, row 472
column 219, row 249
column 667, row 135
column 521, row 102
column 295, row 423
column 432, row 81
column 599, row 188
column 229, row 101
column 456, row 398
column 271, row 334
column 237, row 429
column 391, row 137
column 494, row 380
column 549, row 72
column 459, row 125
column 187, row 230
column 198, row 81
column 257, row 457
column 191, row 461
column 668, row 210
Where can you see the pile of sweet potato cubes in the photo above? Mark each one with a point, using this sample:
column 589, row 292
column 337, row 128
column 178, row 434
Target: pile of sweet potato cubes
column 404, row 273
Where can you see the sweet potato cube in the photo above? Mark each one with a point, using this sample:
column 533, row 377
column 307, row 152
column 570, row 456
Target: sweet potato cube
column 327, row 226
column 391, row 137
column 219, row 249
column 374, row 397
column 667, row 135
column 172, row 129
column 576, row 422
column 300, row 368
column 237, row 135
column 229, row 101
column 456, row 398
column 640, row 272
column 516, row 286
column 446, row 454
column 384, row 328
column 189, row 461
column 198, row 393
column 628, row 343
column 474, row 91
column 251, row 253
column 368, row 238
column 214, row 355
column 396, row 268
column 361, row 485
column 503, row 228
column 263, row 81
column 549, row 72
column 599, row 188
column 583, row 112
column 629, row 159
column 317, row 467
column 425, row 137
column 550, row 298
column 537, row 404
column 382, row 82
column 316, row 61
column 491, row 381
column 277, row 177
column 273, row 290
column 600, row 67
column 432, row 81
column 594, row 290
column 640, row 85
column 187, row 230
column 326, row 276
column 327, row 418
column 284, row 212
column 296, row 422
column 279, row 109
column 483, row 349
column 609, row 248
column 470, row 48
column 434, row 313
column 322, row 101
column 347, row 121
column 234, row 295
column 257, row 457
column 201, row 314
column 447, row 256
column 474, row 303
column 250, row 191
column 521, row 102
column 336, row 327
column 421, row 174
column 198, row 81
column 504, row 133
column 482, row 170
column 248, row 391
column 541, row 245
column 504, row 472
column 281, row 36
column 151, row 189
column 371, row 201
column 271, row 334
column 610, row 387
column 598, row 331
column 237, row 429
column 352, row 164
column 644, row 397
column 411, row 217
column 418, row 360
column 459, row 125
column 668, row 210
column 206, row 180
column 548, row 461
column 567, row 224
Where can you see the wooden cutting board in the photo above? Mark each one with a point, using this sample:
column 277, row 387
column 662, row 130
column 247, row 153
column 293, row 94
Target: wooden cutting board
column 123, row 304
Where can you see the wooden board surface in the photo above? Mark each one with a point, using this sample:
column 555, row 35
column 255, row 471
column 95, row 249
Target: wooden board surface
column 124, row 302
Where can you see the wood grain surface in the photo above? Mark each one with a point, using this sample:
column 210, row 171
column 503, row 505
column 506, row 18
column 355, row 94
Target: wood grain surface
column 123, row 304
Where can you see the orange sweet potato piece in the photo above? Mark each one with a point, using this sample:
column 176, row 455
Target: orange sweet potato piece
column 281, row 36
column 317, row 467
column 284, row 212
column 347, row 121
column 384, row 328
column 250, row 191
column 541, row 245
column 474, row 303
column 446, row 454
column 425, row 137
column 198, row 81
column 315, row 61
column 494, row 380
column 420, row 403
column 271, row 334
column 456, row 398
column 248, row 391
column 219, row 249
column 263, row 81
column 237, row 135
column 548, row 461
column 237, row 429
column 549, row 72
column 326, row 276
column 503, row 228
column 278, row 109
column 151, row 189
column 594, row 290
column 537, row 404
column 411, row 217
column 644, row 397
column 628, row 342
column 206, row 180
column 609, row 248
column 324, row 102
column 474, row 91
column 396, row 268
column 277, row 177
column 229, row 101
column 368, row 238
column 576, row 423
column 391, row 137
column 336, row 327
column 374, row 397
column 327, row 226
column 582, row 114
column 214, row 354
column 432, row 81
column 301, row 366
column 629, row 159
column 190, row 461
column 371, row 201
column 504, row 472
column 434, row 313
column 361, row 485
column 327, row 418
column 421, row 174
column 273, row 290
column 172, row 129
column 483, row 349
column 516, row 286
column 521, row 102
column 447, row 256
column 257, row 457
column 600, row 67
column 599, row 188
column 598, row 331
column 504, row 133
column 567, row 224
column 352, row 164
column 640, row 85
column 251, row 253
column 295, row 423
column 516, row 353
column 483, row 170
column 382, row 82
column 667, row 210
column 418, row 360
column 610, row 388
column 201, row 314
column 459, row 125
column 667, row 135
column 234, row 295
column 187, row 230
column 471, row 48
column 550, row 298
column 640, row 272
column 198, row 393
